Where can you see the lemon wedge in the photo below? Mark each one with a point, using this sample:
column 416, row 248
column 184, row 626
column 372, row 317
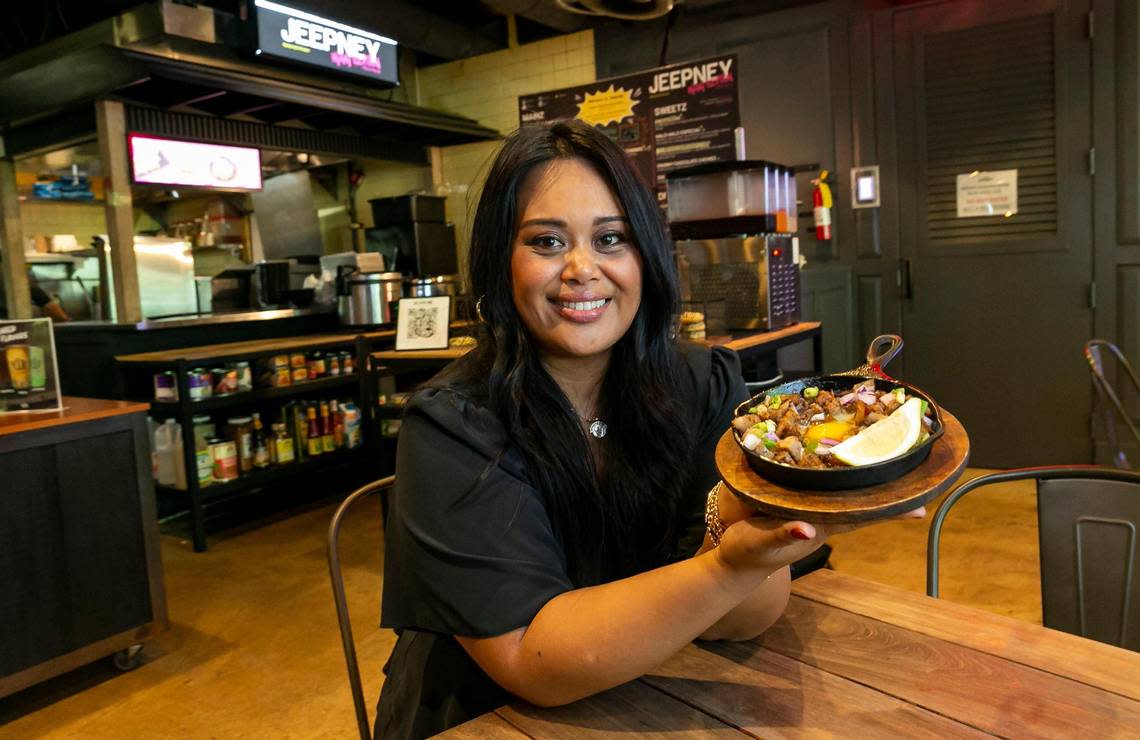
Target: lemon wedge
column 883, row 440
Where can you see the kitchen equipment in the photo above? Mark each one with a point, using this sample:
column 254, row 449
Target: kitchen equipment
column 756, row 278
column 165, row 270
column 836, row 479
column 416, row 248
column 727, row 189
column 271, row 283
column 365, row 299
column 403, row 208
column 436, row 285
column 232, row 289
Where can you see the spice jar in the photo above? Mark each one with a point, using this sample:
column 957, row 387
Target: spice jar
column 203, row 433
column 200, row 383
column 225, row 381
column 317, row 367
column 244, row 376
column 223, row 453
column 165, row 387
column 239, row 430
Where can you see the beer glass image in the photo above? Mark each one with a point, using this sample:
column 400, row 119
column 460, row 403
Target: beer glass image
column 17, row 358
column 37, row 370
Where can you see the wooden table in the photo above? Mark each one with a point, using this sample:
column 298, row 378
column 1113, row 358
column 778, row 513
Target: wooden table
column 852, row 658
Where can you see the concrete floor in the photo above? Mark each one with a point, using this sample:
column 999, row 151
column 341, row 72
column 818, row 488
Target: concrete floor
column 254, row 652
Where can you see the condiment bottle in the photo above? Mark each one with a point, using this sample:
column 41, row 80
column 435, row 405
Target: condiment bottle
column 240, row 430
column 260, row 444
column 281, row 450
column 338, row 424
column 313, row 434
column 328, row 442
column 352, row 432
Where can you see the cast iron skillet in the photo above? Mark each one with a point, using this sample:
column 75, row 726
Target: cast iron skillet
column 836, row 479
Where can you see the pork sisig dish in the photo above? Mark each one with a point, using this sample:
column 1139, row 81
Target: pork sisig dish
column 818, row 428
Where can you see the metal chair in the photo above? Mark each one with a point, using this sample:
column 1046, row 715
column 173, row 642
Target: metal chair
column 1087, row 522
column 1109, row 401
column 342, row 618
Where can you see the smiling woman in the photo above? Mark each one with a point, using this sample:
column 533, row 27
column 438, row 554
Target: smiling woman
column 577, row 277
column 546, row 535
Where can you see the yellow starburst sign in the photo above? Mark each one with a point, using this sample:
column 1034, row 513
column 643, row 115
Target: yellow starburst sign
column 606, row 106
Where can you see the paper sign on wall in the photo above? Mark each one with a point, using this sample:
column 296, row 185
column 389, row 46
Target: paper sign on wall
column 987, row 193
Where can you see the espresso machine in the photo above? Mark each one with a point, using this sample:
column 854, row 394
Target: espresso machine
column 734, row 225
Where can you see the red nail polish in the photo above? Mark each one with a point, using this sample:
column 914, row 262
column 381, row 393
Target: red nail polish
column 799, row 534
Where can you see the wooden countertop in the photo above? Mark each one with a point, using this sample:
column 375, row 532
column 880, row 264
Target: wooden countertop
column 451, row 353
column 786, row 335
column 257, row 346
column 75, row 410
column 261, row 346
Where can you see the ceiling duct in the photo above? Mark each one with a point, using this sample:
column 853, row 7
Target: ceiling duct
column 543, row 12
column 634, row 10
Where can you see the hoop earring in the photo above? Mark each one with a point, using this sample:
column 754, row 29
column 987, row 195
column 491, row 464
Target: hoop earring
column 479, row 309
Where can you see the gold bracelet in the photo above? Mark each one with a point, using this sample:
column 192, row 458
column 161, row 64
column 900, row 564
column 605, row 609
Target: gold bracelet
column 712, row 516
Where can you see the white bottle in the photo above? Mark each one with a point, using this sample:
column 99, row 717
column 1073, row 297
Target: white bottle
column 177, row 459
column 163, row 450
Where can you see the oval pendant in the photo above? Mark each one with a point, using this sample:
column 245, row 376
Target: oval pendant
column 598, row 428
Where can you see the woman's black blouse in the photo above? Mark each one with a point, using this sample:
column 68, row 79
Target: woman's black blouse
column 469, row 549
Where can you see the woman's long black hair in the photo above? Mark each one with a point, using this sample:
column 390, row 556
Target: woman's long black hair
column 620, row 519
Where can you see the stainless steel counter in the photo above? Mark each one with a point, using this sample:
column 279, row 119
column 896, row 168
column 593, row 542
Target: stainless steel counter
column 199, row 320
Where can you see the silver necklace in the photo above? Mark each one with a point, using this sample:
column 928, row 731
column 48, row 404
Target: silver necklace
column 596, row 426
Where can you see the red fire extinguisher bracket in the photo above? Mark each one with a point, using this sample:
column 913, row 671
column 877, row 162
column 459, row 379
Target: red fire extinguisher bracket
column 822, row 203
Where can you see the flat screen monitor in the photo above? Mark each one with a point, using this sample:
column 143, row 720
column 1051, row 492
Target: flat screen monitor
column 157, row 161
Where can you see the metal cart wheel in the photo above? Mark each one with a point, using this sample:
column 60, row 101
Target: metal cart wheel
column 128, row 658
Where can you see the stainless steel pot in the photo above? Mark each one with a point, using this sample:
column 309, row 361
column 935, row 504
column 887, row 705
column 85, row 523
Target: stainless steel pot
column 368, row 297
column 436, row 285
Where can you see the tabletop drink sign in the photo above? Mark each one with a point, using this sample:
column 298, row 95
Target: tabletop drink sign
column 29, row 375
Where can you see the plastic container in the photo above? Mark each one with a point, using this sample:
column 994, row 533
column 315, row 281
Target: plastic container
column 723, row 190
column 164, row 436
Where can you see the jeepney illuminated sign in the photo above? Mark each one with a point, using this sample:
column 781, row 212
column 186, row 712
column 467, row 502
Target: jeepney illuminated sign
column 306, row 38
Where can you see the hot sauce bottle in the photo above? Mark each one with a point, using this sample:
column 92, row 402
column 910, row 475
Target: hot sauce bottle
column 328, row 442
column 313, row 434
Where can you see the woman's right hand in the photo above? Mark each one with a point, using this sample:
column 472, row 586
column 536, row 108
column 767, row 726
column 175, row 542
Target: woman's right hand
column 763, row 544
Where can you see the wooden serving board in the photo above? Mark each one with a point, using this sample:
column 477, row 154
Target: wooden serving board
column 935, row 475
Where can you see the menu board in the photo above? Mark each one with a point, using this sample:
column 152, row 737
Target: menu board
column 665, row 118
column 156, row 161
column 29, row 375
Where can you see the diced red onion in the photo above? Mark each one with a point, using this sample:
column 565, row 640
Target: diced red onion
column 829, row 441
column 772, row 436
column 821, row 450
column 847, row 399
column 750, row 441
column 928, row 422
column 868, row 398
column 818, row 417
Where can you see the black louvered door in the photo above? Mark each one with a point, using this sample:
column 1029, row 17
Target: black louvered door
column 995, row 308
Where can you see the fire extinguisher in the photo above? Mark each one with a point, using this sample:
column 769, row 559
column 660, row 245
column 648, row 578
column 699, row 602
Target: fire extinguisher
column 821, row 200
